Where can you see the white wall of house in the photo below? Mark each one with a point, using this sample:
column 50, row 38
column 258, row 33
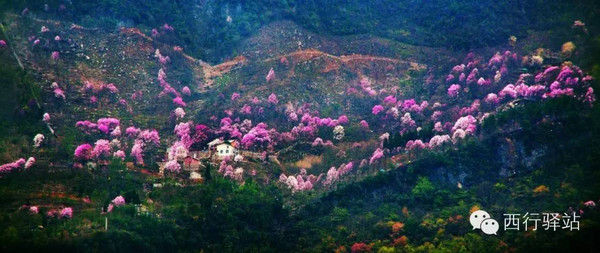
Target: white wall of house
column 225, row 149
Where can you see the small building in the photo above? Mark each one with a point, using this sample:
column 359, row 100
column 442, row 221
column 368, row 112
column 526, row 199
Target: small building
column 195, row 176
column 224, row 148
column 191, row 163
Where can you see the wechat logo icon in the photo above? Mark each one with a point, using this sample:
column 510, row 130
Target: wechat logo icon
column 482, row 220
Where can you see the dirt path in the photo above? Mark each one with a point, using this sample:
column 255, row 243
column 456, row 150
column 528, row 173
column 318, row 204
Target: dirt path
column 309, row 54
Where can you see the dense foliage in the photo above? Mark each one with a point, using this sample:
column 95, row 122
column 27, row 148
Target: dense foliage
column 222, row 215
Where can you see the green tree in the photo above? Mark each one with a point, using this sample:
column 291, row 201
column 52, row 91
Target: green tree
column 424, row 188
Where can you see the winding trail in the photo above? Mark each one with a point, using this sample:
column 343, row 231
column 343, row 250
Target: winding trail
column 309, row 54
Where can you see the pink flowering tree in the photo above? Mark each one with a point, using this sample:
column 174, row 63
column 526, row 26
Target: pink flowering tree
column 119, row 154
column 132, row 132
column 107, row 125
column 186, row 91
column 235, row 96
column 467, row 123
column 271, row 75
column 84, row 152
column 179, row 102
column 118, row 201
column 273, row 99
column 29, row 162
column 66, row 213
column 364, row 125
column 416, row 145
column 453, row 90
column 37, row 140
column 6, row 168
column 377, row 155
column 377, row 109
column 102, row 149
column 137, row 151
column 179, row 113
column 257, row 136
column 172, row 166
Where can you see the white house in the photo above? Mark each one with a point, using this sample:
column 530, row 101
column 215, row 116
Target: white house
column 224, row 148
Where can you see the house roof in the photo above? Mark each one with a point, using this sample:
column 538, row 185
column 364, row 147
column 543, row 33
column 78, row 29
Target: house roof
column 189, row 157
column 215, row 142
column 218, row 142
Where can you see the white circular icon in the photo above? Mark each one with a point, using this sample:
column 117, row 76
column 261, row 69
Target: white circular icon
column 477, row 217
column 490, row 226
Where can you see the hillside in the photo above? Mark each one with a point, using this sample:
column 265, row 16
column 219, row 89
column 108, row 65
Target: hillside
column 349, row 142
